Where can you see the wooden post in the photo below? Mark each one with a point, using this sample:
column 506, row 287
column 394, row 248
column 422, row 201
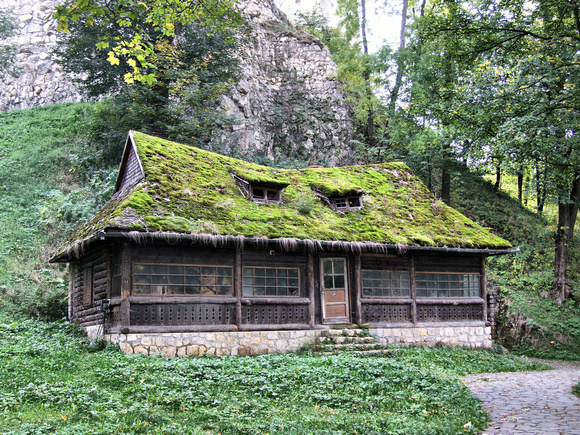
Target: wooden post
column 357, row 289
column 126, row 271
column 238, row 286
column 413, row 289
column 311, row 290
column 483, row 283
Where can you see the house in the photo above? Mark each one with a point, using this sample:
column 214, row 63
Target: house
column 199, row 253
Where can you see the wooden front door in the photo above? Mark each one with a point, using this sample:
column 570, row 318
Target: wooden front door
column 334, row 288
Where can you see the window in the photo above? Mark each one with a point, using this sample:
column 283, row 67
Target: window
column 88, row 286
column 266, row 195
column 347, row 203
column 182, row 280
column 385, row 283
column 263, row 281
column 447, row 285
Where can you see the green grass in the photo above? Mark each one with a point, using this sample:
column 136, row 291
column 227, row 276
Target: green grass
column 50, row 181
column 51, row 382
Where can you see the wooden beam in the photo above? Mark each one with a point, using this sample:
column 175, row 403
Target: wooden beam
column 387, row 301
column 177, row 300
column 153, row 329
column 413, row 289
column 483, row 283
column 357, row 289
column 450, row 301
column 283, row 327
column 238, row 285
column 275, row 301
column 311, row 290
column 126, row 271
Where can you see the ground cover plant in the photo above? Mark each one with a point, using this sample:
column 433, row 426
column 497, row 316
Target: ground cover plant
column 53, row 381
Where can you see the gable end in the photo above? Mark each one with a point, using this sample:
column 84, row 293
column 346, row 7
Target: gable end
column 131, row 170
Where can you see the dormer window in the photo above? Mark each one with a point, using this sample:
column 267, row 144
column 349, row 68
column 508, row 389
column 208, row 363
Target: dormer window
column 261, row 192
column 266, row 194
column 352, row 202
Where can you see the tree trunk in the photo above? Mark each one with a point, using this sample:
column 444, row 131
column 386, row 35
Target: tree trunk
column 400, row 62
column 520, row 185
column 540, row 190
column 370, row 126
column 567, row 213
column 497, row 178
column 445, row 185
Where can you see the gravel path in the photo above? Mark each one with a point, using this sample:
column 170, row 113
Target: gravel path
column 530, row 402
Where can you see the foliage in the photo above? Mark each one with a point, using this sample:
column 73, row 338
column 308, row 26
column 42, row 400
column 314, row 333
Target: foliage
column 51, row 381
column 501, row 87
column 192, row 72
column 132, row 31
column 51, row 182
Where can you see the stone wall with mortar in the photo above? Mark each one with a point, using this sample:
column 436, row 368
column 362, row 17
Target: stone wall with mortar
column 35, row 79
column 288, row 103
column 262, row 342
column 475, row 335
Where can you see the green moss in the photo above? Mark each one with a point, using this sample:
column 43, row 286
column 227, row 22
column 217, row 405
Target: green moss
column 189, row 190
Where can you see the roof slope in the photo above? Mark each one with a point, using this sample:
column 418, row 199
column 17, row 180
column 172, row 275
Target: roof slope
column 192, row 191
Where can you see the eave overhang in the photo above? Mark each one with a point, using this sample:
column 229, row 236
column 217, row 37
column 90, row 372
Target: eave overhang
column 282, row 244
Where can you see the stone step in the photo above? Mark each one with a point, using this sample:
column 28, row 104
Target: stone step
column 344, row 332
column 345, row 340
column 361, row 353
column 347, row 347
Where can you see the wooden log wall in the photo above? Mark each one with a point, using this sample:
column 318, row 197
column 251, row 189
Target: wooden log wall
column 89, row 313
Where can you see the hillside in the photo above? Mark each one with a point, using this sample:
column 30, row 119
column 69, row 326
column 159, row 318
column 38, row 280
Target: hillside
column 54, row 177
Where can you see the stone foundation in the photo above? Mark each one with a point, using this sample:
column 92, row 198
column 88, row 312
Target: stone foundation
column 473, row 334
column 262, row 342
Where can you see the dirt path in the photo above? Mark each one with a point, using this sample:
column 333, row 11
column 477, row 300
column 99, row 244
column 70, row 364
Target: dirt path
column 530, row 402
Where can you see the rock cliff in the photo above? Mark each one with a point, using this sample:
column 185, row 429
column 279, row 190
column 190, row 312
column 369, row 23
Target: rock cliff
column 287, row 106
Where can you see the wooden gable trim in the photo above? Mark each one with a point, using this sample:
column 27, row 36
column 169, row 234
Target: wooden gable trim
column 130, row 149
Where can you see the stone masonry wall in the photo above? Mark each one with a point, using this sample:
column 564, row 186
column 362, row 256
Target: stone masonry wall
column 36, row 79
column 262, row 342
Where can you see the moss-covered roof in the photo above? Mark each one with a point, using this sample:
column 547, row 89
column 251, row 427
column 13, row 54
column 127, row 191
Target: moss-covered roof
column 192, row 191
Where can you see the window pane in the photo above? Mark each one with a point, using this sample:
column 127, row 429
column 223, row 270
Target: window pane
column 176, row 279
column 141, row 290
column 192, row 290
column 142, row 269
column 158, row 270
column 159, row 279
column 339, row 281
column 192, row 270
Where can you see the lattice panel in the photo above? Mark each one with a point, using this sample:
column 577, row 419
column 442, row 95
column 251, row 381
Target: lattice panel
column 447, row 313
column 183, row 314
column 274, row 314
column 386, row 313
column 114, row 317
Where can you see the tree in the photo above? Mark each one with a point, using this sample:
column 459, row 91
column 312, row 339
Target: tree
column 516, row 93
column 192, row 71
column 137, row 27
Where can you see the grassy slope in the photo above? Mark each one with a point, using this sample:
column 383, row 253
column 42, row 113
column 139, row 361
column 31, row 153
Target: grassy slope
column 51, row 382
column 42, row 155
column 532, row 323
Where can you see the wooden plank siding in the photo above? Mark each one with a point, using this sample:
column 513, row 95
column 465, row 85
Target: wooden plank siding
column 133, row 171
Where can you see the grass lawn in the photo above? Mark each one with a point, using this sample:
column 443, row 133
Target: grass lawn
column 52, row 381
